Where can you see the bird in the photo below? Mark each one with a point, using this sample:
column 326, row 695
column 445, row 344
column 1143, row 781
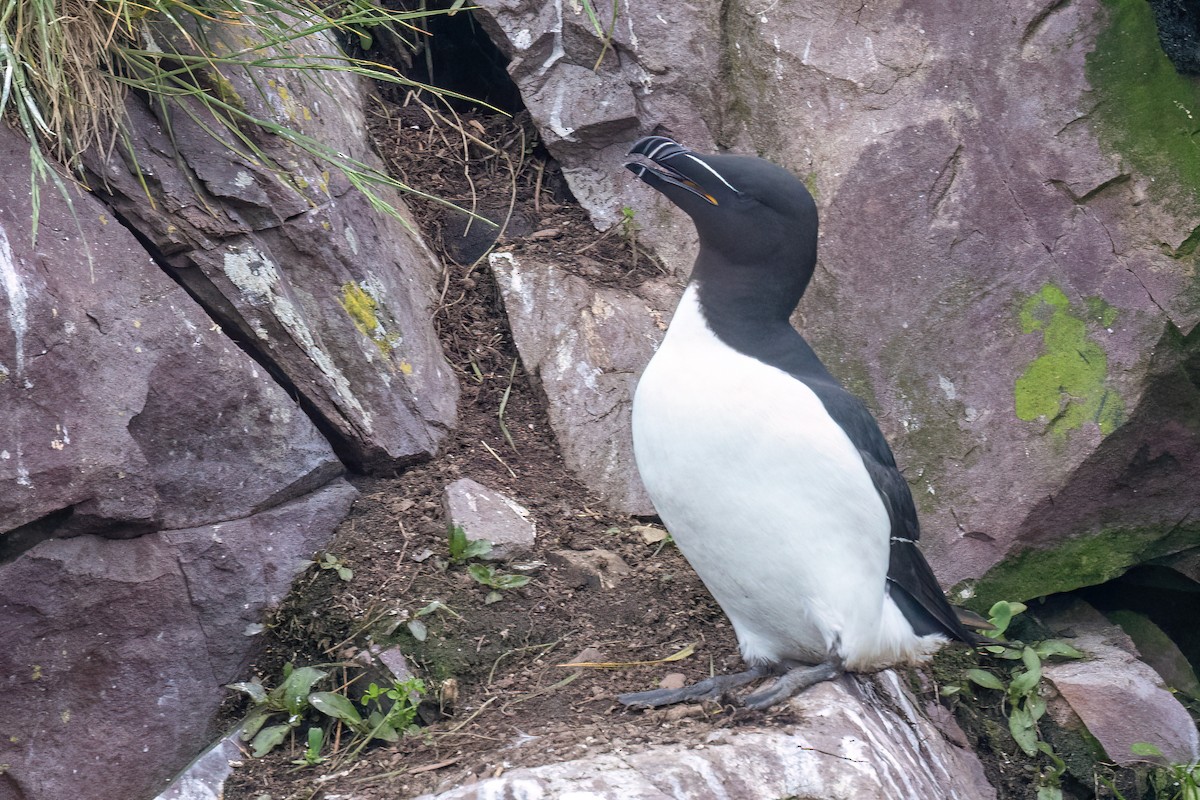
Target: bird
column 775, row 482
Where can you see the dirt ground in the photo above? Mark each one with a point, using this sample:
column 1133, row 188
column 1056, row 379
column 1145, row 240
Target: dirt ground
column 498, row 696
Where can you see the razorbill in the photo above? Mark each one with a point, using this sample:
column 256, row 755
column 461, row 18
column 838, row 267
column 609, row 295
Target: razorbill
column 775, row 482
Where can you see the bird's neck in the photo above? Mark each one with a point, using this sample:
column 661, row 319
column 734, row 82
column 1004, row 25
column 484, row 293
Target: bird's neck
column 752, row 294
column 750, row 311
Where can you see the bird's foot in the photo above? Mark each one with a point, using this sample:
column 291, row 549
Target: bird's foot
column 791, row 683
column 708, row 689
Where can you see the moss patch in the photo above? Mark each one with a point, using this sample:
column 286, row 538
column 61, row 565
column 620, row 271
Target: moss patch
column 1075, row 563
column 1067, row 385
column 1148, row 113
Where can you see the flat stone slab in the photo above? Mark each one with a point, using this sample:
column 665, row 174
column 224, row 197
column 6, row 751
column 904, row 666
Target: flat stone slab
column 491, row 516
column 1119, row 699
column 858, row 738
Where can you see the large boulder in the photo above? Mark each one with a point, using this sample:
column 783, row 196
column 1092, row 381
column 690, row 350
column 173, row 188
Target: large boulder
column 1009, row 202
column 585, row 347
column 330, row 294
column 114, row 652
column 158, row 490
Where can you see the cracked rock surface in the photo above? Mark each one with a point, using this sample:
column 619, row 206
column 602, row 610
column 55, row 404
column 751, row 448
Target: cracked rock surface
column 1007, row 290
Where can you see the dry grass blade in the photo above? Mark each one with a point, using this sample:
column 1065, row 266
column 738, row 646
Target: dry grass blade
column 679, row 656
column 67, row 66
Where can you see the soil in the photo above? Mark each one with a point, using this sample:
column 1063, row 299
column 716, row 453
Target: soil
column 497, row 695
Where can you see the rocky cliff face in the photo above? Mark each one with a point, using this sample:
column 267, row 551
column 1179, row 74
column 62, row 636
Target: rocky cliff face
column 1007, row 264
column 169, row 452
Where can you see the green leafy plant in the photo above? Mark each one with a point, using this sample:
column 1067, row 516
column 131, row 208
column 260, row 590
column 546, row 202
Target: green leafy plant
column 390, row 712
column 290, row 697
column 330, row 561
column 1019, row 681
column 463, row 549
column 1174, row 781
column 487, row 575
column 312, row 754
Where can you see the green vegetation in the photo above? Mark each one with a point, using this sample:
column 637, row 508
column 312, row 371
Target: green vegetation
column 463, row 549
column 68, row 65
column 331, row 562
column 1149, row 113
column 1016, row 672
column 389, row 713
column 1067, row 384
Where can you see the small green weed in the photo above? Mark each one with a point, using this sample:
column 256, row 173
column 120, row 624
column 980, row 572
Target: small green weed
column 487, row 575
column 290, row 697
column 312, row 754
column 463, row 549
column 1172, row 782
column 330, row 561
column 384, row 720
column 387, row 713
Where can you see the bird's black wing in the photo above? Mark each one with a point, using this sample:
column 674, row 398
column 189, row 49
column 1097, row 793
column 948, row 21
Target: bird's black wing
column 913, row 587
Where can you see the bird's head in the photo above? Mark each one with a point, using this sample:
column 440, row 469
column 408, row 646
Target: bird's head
column 747, row 210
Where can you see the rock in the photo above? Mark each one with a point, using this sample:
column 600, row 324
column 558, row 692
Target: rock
column 158, row 491
column 135, row 638
column 1119, row 700
column 854, row 739
column 585, row 347
column 491, row 516
column 1005, row 265
column 330, row 295
column 1159, row 651
column 204, row 778
column 125, row 409
column 596, row 568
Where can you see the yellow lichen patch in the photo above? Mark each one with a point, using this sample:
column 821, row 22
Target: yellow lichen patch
column 363, row 311
column 406, row 368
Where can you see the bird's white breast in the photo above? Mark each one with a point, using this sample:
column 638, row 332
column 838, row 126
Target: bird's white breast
column 768, row 499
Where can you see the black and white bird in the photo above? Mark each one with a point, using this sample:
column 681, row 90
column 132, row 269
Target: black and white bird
column 775, row 482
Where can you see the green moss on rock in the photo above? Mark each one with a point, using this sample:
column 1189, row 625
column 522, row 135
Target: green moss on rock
column 1148, row 112
column 1077, row 562
column 1068, row 384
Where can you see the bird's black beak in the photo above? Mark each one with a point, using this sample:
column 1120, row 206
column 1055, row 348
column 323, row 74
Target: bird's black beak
column 663, row 162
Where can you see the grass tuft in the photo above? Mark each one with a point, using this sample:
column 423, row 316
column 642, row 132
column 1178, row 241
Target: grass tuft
column 66, row 67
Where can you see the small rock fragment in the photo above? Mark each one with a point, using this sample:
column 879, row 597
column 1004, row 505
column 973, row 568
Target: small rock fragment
column 490, row 516
column 595, row 568
column 673, row 680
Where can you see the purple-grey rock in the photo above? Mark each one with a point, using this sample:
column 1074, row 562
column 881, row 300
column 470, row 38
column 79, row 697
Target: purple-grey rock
column 1004, row 285
column 854, row 738
column 122, row 646
column 585, row 346
column 1157, row 649
column 126, row 409
column 490, row 516
column 1120, row 700
column 331, row 294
